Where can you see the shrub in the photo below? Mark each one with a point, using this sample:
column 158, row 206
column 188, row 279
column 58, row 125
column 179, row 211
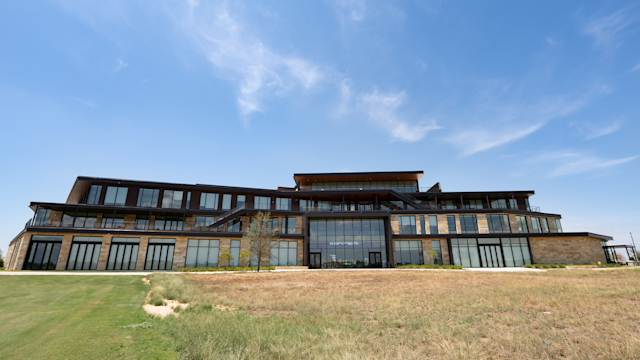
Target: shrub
column 429, row 266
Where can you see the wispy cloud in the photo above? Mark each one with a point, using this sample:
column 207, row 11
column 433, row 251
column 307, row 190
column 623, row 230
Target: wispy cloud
column 605, row 30
column 240, row 56
column 592, row 131
column 352, row 9
column 552, row 41
column 563, row 163
column 121, row 65
column 382, row 109
column 83, row 102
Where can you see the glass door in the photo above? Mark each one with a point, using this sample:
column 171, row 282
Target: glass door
column 315, row 260
column 375, row 259
column 491, row 255
column 42, row 256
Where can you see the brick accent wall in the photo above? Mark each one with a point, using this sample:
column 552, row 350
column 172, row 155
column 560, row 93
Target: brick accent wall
column 559, row 250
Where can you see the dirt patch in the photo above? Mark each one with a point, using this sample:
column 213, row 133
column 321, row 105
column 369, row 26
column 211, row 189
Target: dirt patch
column 265, row 312
column 146, row 281
column 224, row 308
column 163, row 311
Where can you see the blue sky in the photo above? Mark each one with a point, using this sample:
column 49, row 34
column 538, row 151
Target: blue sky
column 494, row 95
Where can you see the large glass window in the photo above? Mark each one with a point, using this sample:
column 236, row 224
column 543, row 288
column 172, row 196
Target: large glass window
column 306, row 205
column 235, row 253
column 451, row 222
column 535, row 225
column 409, row 252
column 226, row 202
column 262, row 202
column 123, row 254
column 240, row 200
column 498, row 223
column 283, row 204
column 448, row 204
column 85, row 219
column 43, row 252
column 498, row 204
column 545, row 225
column 400, row 186
column 42, row 217
column 465, row 252
column 67, row 218
column 148, row 198
column 160, row 254
column 522, row 224
column 284, row 253
column 116, row 195
column 422, row 225
column 142, row 222
column 288, row 225
column 188, row 200
column 84, row 254
column 468, row 224
column 202, row 253
column 208, row 201
column 473, row 204
column 526, row 203
column 433, row 224
column 558, row 225
column 513, row 204
column 407, row 224
column 516, row 251
column 204, row 221
column 169, row 222
column 94, row 194
column 172, row 199
column 435, row 246
column 348, row 242
column 235, row 225
column 112, row 221
column 273, row 224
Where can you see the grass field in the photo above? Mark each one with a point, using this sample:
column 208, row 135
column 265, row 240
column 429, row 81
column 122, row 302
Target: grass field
column 76, row 317
column 561, row 314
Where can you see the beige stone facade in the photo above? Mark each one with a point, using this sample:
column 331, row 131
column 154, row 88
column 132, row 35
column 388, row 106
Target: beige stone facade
column 566, row 250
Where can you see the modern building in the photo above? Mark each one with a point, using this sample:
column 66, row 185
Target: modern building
column 326, row 220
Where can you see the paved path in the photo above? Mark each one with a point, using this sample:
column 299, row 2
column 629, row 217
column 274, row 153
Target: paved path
column 108, row 273
column 504, row 269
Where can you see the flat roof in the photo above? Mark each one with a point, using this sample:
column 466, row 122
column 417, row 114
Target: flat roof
column 358, row 176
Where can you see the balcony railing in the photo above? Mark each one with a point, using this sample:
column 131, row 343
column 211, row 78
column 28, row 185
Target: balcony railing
column 398, row 188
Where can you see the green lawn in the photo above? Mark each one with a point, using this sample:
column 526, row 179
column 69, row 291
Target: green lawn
column 77, row 317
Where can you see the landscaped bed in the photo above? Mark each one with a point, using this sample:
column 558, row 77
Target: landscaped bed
column 432, row 266
column 227, row 268
column 563, row 266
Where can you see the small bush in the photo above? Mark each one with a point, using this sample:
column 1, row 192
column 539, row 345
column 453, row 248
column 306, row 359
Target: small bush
column 247, row 268
column 429, row 266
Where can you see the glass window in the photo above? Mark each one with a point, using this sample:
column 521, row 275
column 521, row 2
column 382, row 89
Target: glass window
column 43, row 252
column 112, row 221
column 85, row 219
column 202, row 253
column 123, row 254
column 188, row 199
column 84, row 253
column 288, row 225
column 526, row 203
column 451, row 221
column 67, row 218
column 468, row 224
column 226, row 202
column 42, row 217
column 435, row 246
column 204, row 221
column 160, row 254
column 513, row 204
column 407, row 224
column 94, row 194
column 522, row 224
column 473, row 204
column 208, row 201
column 273, row 224
column 262, row 202
column 558, row 225
column 306, row 205
column 241, row 200
column 498, row 224
column 172, row 199
column 283, row 204
column 422, row 225
column 168, row 222
column 515, row 251
column 142, row 222
column 498, row 204
column 433, row 224
column 235, row 225
column 284, row 253
column 409, row 252
column 116, row 195
column 545, row 225
column 448, row 204
column 148, row 197
column 535, row 225
column 465, row 252
column 235, row 253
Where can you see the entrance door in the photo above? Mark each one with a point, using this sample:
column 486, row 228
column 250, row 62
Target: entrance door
column 375, row 259
column 315, row 261
column 491, row 255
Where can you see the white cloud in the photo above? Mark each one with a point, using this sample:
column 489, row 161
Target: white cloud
column 592, row 132
column 382, row 109
column 571, row 163
column 605, row 30
column 552, row 41
column 477, row 140
column 121, row 65
column 82, row 101
column 352, row 9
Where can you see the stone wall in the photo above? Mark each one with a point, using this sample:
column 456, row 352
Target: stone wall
column 566, row 250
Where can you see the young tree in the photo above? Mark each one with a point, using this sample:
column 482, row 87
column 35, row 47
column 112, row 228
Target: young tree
column 261, row 237
column 245, row 258
column 225, row 255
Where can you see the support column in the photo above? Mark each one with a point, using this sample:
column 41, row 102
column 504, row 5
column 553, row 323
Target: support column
column 63, row 257
column 104, row 252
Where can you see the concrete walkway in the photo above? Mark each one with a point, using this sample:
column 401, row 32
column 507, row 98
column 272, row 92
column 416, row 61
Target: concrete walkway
column 108, row 273
column 505, row 269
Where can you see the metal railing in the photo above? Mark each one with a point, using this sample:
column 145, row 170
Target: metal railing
column 401, row 189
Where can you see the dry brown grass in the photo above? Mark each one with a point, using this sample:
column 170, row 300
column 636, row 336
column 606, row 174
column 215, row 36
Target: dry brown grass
column 378, row 314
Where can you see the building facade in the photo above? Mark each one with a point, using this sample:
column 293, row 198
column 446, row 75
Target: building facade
column 327, row 220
